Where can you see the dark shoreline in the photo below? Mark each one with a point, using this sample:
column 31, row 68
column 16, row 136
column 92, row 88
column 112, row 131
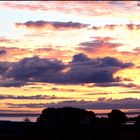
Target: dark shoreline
column 71, row 124
column 33, row 130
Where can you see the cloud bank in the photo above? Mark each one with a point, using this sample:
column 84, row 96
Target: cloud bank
column 80, row 70
column 52, row 25
column 126, row 103
column 35, row 97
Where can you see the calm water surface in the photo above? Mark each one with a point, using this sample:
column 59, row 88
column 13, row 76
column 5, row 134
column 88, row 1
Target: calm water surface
column 18, row 118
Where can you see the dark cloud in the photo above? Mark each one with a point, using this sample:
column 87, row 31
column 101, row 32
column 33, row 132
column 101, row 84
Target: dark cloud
column 79, row 75
column 80, row 70
column 35, row 97
column 12, row 112
column 35, row 69
column 62, row 89
column 91, row 46
column 130, row 85
column 80, row 58
column 113, row 26
column 101, row 103
column 55, row 24
column 29, row 70
column 11, row 83
column 86, row 70
column 4, row 66
column 110, row 61
column 2, row 52
column 31, row 105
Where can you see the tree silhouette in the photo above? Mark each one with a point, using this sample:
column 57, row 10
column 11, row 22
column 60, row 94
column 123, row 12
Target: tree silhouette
column 66, row 116
column 137, row 120
column 26, row 120
column 117, row 117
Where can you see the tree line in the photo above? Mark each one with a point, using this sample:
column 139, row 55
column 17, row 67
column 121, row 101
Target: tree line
column 69, row 116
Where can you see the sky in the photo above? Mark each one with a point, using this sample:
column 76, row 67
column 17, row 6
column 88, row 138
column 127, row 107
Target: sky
column 69, row 53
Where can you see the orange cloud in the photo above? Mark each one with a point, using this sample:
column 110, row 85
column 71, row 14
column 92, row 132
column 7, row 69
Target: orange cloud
column 50, row 52
column 13, row 54
column 102, row 46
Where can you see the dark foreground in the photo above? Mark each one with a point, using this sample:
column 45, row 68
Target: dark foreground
column 72, row 124
column 35, row 131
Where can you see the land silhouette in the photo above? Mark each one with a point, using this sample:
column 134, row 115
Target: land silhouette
column 69, row 123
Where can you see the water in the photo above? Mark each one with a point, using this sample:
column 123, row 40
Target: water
column 18, row 118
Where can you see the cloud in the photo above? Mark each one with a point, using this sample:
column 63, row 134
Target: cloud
column 11, row 83
column 101, row 103
column 5, row 40
column 2, row 52
column 31, row 105
column 13, row 54
column 80, row 58
column 52, row 25
column 34, row 68
column 29, row 70
column 98, row 93
column 115, row 26
column 53, row 52
column 86, row 70
column 12, row 112
column 80, row 70
column 22, row 5
column 62, row 89
column 130, row 85
column 62, row 6
column 92, row 46
column 131, row 92
column 4, row 66
column 35, row 97
column 105, row 39
column 92, row 8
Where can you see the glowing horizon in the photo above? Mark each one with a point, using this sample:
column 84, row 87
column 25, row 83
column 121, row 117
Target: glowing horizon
column 69, row 53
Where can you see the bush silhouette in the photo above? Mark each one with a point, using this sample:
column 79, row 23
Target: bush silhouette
column 117, row 117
